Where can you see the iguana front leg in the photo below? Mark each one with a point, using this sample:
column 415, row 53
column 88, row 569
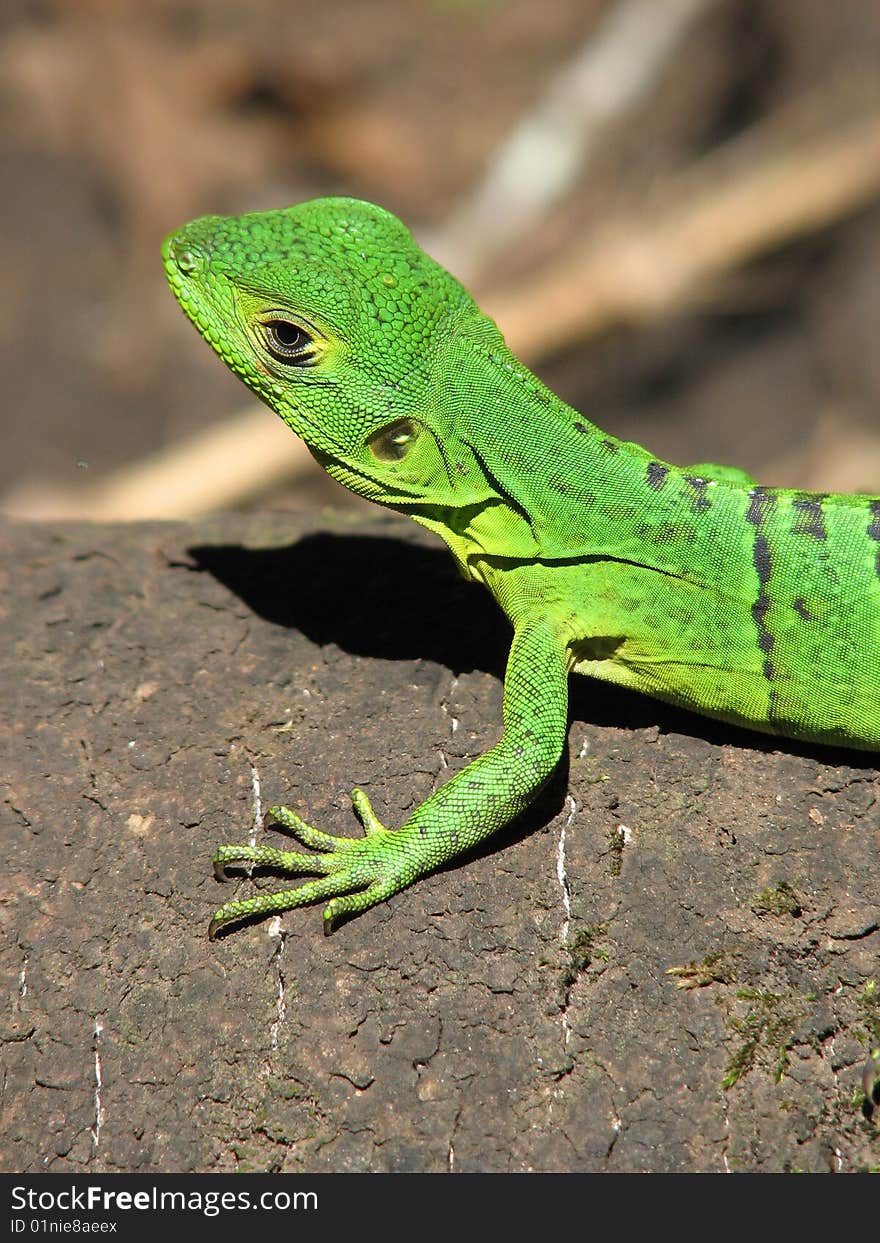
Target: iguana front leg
column 356, row 873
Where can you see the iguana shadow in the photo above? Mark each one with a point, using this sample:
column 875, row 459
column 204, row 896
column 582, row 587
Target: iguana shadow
column 393, row 598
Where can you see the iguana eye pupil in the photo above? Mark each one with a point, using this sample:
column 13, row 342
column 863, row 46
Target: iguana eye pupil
column 286, row 333
column 286, row 341
column 393, row 442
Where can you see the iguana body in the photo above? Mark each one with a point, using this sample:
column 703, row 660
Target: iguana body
column 758, row 606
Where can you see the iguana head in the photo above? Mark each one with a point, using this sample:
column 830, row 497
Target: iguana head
column 332, row 314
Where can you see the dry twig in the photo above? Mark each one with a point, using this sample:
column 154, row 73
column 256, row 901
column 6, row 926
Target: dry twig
column 722, row 214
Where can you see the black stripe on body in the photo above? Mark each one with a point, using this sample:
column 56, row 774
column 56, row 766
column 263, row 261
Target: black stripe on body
column 874, row 531
column 760, row 505
column 656, row 475
column 759, row 612
column 809, row 520
column 699, row 487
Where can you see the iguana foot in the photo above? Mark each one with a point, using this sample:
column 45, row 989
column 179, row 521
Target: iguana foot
column 369, row 865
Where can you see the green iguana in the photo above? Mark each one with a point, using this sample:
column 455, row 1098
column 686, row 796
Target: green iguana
column 758, row 606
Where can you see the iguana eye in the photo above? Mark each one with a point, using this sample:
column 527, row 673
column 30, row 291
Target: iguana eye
column 286, row 341
column 394, row 442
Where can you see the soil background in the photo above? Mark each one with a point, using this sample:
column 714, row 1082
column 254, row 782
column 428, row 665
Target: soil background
column 121, row 120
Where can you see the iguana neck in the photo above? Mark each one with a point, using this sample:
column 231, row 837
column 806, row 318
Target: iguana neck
column 566, row 488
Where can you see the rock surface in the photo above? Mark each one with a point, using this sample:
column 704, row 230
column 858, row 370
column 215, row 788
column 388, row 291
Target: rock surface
column 515, row 1012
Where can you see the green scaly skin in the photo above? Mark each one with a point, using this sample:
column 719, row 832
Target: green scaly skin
column 758, row 606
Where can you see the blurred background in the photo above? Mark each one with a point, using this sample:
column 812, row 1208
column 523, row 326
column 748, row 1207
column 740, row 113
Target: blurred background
column 671, row 207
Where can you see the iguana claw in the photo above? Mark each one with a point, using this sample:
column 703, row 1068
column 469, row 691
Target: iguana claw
column 365, row 865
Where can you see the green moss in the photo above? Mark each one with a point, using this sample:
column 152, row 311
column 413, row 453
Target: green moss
column 868, row 1004
column 615, row 851
column 778, row 899
column 714, row 969
column 767, row 1031
column 582, row 950
column 287, row 1089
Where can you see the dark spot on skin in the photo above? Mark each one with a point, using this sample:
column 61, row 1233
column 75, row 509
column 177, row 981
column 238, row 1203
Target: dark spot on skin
column 423, row 830
column 610, row 445
column 579, row 427
column 874, row 531
column 700, row 501
column 656, row 475
column 765, row 641
column 874, row 528
column 809, row 520
column 763, row 563
column 760, row 503
column 662, row 533
column 759, row 610
column 800, row 607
